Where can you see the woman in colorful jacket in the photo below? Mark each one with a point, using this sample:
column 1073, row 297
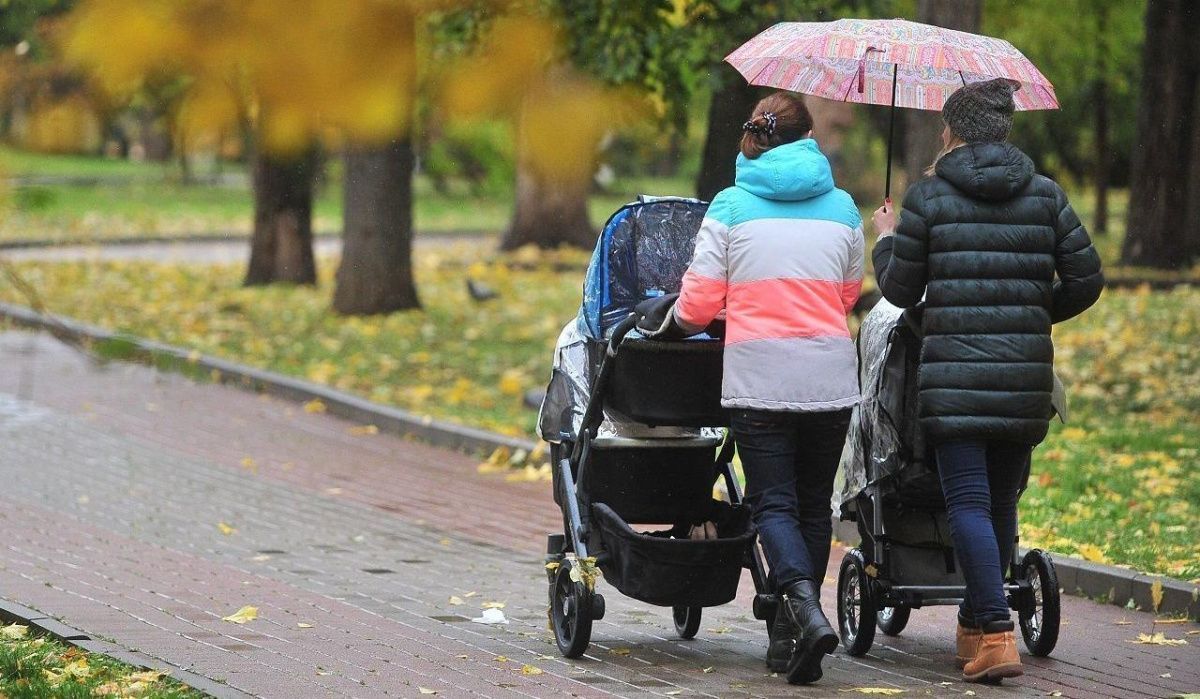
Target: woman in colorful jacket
column 782, row 253
column 998, row 255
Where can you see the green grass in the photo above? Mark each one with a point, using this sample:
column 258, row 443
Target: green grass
column 19, row 163
column 147, row 200
column 37, row 667
column 1118, row 484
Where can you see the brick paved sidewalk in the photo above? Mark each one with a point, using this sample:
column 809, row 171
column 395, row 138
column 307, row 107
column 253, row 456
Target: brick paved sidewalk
column 117, row 479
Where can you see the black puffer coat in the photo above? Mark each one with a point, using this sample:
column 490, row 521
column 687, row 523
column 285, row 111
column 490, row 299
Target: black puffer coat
column 983, row 240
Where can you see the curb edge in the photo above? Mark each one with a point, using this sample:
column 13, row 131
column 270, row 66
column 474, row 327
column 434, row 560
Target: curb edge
column 13, row 613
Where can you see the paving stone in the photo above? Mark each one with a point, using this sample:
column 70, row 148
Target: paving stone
column 117, row 479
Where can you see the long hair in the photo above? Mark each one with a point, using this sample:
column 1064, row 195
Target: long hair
column 955, row 142
column 778, row 118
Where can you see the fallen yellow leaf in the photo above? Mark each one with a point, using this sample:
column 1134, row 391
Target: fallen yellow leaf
column 1156, row 594
column 364, row 430
column 426, row 690
column 302, row 625
column 882, row 691
column 13, row 632
column 492, row 605
column 1159, row 639
column 147, row 676
column 1092, row 552
column 706, row 670
column 501, row 658
column 455, row 599
column 620, row 651
column 314, row 406
column 78, row 669
column 54, row 677
column 249, row 462
column 242, row 615
column 531, row 670
column 225, row 528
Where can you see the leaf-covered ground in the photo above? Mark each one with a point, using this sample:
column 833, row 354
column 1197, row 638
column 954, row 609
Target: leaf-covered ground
column 1118, row 484
column 36, row 667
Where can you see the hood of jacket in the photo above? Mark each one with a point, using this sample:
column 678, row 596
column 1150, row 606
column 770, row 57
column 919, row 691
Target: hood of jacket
column 791, row 172
column 991, row 171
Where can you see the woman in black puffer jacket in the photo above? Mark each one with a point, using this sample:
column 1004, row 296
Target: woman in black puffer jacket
column 998, row 255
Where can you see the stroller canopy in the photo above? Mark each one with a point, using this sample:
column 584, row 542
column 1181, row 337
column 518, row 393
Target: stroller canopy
column 644, row 250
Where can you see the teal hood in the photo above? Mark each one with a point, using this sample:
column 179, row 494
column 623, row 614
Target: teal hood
column 791, row 172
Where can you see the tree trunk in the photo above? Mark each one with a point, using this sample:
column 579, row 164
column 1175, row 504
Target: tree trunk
column 281, row 248
column 1103, row 156
column 376, row 272
column 730, row 108
column 923, row 139
column 1164, row 200
column 548, row 214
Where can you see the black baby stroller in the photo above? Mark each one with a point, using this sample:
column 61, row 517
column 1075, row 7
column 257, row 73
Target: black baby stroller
column 905, row 559
column 634, row 426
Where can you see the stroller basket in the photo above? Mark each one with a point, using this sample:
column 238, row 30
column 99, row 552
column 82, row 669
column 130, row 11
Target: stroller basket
column 674, row 572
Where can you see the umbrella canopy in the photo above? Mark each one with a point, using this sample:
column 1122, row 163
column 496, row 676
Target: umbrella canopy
column 885, row 61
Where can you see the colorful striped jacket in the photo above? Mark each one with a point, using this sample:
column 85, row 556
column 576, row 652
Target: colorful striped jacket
column 782, row 253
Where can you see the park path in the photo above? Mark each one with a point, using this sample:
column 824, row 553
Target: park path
column 232, row 250
column 117, row 482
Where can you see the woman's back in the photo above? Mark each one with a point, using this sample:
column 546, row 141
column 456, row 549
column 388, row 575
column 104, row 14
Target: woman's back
column 782, row 250
column 985, row 237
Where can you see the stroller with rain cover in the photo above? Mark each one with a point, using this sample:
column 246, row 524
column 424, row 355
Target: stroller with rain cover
column 635, row 428
column 891, row 489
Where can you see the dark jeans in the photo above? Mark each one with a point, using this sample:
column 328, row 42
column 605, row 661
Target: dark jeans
column 790, row 459
column 982, row 482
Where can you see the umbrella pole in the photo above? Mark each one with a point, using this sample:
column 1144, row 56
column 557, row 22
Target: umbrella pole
column 887, row 187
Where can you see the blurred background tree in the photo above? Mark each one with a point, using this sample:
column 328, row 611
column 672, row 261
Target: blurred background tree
column 170, row 80
column 1163, row 229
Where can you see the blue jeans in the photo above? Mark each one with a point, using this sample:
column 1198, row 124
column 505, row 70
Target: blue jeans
column 790, row 459
column 982, row 482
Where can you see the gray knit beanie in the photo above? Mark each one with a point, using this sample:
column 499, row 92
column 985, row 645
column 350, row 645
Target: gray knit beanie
column 981, row 112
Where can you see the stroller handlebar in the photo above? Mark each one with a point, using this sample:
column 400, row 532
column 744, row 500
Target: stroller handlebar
column 620, row 331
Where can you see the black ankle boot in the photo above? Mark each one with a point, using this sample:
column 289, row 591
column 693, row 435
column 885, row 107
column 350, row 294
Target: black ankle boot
column 783, row 640
column 815, row 637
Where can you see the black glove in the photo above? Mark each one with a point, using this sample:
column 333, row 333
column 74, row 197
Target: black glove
column 656, row 322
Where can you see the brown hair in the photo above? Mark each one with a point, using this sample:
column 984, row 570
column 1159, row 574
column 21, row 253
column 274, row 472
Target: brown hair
column 778, row 118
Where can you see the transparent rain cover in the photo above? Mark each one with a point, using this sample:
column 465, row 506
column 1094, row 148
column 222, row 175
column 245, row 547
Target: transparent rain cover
column 645, row 248
column 871, row 436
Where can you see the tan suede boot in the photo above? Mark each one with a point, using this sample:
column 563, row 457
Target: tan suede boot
column 997, row 657
column 966, row 644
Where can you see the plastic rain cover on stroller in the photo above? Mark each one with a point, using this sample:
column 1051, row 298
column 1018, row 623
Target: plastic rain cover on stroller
column 872, row 436
column 643, row 251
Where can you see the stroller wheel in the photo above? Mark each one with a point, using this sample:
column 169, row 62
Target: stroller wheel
column 892, row 620
column 856, row 604
column 570, row 612
column 1040, row 614
column 687, row 620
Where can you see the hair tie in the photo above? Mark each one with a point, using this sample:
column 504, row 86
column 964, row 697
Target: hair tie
column 770, row 117
column 767, row 129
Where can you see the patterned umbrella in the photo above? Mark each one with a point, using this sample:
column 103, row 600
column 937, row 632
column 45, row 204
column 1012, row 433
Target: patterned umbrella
column 885, row 61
